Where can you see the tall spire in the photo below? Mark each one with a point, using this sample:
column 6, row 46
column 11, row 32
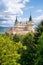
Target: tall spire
column 30, row 19
column 16, row 20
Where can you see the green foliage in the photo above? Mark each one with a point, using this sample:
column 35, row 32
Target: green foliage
column 39, row 30
column 28, row 39
column 39, row 60
column 22, row 50
column 17, row 54
column 16, row 38
column 9, row 51
column 28, row 56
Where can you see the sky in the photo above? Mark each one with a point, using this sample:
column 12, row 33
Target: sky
column 9, row 9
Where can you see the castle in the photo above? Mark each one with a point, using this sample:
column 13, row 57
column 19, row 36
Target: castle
column 20, row 28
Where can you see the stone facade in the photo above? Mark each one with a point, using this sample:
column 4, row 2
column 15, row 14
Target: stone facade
column 20, row 28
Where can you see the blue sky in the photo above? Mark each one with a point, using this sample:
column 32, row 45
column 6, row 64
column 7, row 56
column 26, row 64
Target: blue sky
column 9, row 9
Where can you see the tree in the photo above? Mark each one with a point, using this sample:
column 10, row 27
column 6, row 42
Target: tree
column 9, row 51
column 28, row 56
column 40, row 28
column 39, row 59
column 16, row 38
column 39, row 31
column 28, row 39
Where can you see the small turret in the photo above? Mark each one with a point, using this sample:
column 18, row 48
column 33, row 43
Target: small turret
column 30, row 19
column 16, row 21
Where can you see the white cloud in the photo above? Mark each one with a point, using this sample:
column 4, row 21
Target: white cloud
column 24, row 1
column 14, row 6
column 39, row 10
column 31, row 7
column 39, row 18
column 10, row 8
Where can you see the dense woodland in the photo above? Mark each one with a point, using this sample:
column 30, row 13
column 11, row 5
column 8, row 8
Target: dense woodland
column 22, row 49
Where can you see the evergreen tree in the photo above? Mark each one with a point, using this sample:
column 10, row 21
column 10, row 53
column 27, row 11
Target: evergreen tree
column 39, row 59
column 39, row 31
column 28, row 56
column 16, row 38
column 28, row 39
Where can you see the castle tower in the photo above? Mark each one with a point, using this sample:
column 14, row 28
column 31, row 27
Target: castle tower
column 16, row 21
column 30, row 19
column 30, row 24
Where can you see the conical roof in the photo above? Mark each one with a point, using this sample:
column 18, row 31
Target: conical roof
column 16, row 21
column 30, row 19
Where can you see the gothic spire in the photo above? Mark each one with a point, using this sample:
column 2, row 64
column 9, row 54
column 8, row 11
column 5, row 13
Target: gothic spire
column 30, row 19
column 16, row 20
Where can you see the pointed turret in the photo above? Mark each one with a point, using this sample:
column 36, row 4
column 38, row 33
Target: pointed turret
column 30, row 19
column 16, row 21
